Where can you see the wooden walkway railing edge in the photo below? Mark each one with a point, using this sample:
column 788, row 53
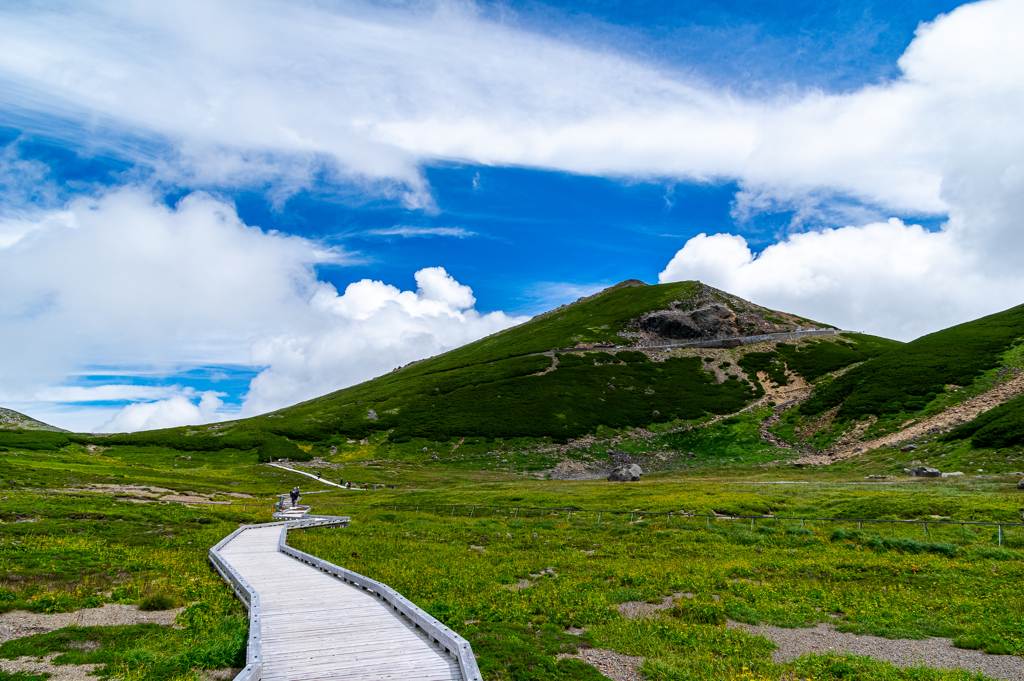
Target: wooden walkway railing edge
column 453, row 644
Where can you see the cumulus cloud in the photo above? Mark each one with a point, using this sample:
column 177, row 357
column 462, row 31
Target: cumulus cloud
column 174, row 411
column 369, row 329
column 886, row 278
column 125, row 280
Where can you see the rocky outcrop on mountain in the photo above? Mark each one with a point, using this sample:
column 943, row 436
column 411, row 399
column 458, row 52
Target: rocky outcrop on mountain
column 711, row 314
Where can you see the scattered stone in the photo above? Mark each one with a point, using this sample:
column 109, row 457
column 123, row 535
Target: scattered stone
column 433, row 457
column 926, row 472
column 478, row 548
column 908, row 448
column 372, row 415
column 1020, row 484
column 953, row 474
column 877, row 477
column 629, row 473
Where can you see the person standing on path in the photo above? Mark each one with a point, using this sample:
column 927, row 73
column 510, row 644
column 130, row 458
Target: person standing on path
column 295, row 495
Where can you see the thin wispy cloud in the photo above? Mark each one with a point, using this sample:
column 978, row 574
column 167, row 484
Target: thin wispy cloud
column 408, row 231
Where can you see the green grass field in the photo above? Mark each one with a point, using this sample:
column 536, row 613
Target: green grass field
column 60, row 553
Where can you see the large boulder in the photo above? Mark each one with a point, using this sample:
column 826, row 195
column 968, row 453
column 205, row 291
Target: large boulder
column 629, row 473
column 1020, row 484
column 926, row 472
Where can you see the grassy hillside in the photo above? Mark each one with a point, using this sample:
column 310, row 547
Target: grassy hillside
column 512, row 384
column 910, row 377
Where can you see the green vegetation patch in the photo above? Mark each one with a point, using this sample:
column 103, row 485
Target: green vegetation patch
column 999, row 427
column 577, row 398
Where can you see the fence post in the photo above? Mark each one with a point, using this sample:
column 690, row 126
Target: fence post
column 517, row 513
column 1000, row 535
column 925, row 532
column 453, row 510
column 472, row 512
column 802, row 523
column 599, row 517
column 568, row 516
column 630, row 517
column 860, row 525
column 751, row 524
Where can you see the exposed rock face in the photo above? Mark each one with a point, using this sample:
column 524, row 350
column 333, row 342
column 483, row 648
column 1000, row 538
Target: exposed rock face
column 629, row 473
column 713, row 321
column 926, row 472
column 372, row 415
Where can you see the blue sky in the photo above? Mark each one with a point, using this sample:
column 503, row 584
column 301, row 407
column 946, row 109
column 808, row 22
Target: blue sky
column 187, row 193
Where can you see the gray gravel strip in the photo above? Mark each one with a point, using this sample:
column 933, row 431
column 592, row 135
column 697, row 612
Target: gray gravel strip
column 613, row 665
column 19, row 623
column 60, row 672
column 931, row 652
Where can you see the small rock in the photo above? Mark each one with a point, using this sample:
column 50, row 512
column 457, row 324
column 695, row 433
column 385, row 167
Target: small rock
column 908, row 448
column 952, row 475
column 926, row 472
column 1020, row 484
column 433, row 457
column 629, row 473
column 478, row 548
column 424, row 449
column 907, row 471
column 534, row 535
column 372, row 415
column 877, row 477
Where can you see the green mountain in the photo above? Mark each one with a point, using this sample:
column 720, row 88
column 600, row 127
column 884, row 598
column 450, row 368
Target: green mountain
column 600, row 362
column 656, row 358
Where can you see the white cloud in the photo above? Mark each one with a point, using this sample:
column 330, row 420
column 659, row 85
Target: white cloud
column 124, row 280
column 885, row 278
column 173, row 411
column 368, row 330
column 288, row 91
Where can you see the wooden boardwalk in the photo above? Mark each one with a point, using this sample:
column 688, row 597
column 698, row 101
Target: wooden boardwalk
column 315, row 626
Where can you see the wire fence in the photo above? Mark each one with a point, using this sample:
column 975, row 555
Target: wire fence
column 934, row 529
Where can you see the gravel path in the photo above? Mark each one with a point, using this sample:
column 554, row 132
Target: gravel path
column 931, row 652
column 18, row 623
column 613, row 665
column 57, row 672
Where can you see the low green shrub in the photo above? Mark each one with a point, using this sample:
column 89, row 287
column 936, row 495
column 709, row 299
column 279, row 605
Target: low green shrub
column 693, row 612
column 158, row 601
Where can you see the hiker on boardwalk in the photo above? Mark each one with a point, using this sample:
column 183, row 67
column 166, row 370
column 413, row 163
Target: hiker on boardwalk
column 341, row 481
column 319, row 475
column 295, row 495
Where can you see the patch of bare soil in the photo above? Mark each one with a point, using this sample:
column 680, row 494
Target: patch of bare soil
column 19, row 623
column 950, row 418
column 931, row 652
column 150, row 492
column 634, row 610
column 613, row 665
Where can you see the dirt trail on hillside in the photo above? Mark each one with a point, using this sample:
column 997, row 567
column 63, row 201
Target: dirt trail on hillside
column 952, row 417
